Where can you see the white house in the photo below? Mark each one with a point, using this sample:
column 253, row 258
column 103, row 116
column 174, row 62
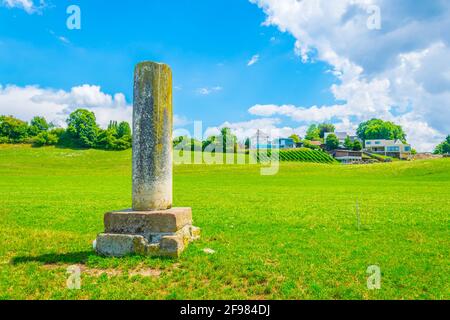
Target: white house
column 392, row 148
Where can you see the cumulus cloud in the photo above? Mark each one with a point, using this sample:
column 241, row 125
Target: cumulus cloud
column 56, row 105
column 398, row 73
column 253, row 60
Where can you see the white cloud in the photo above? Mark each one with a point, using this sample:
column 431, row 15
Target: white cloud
column 398, row 73
column 56, row 105
column 253, row 60
column 28, row 5
column 207, row 91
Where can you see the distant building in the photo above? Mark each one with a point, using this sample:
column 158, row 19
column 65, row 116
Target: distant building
column 285, row 143
column 342, row 136
column 347, row 156
column 391, row 148
column 262, row 141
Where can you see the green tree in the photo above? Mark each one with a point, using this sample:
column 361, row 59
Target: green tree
column 179, row 140
column 348, row 144
column 186, row 143
column 13, row 130
column 296, row 138
column 83, row 129
column 247, row 144
column 379, row 129
column 332, row 142
column 112, row 127
column 444, row 147
column 210, row 140
column 325, row 128
column 357, row 146
column 123, row 130
column 313, row 133
column 38, row 125
column 229, row 140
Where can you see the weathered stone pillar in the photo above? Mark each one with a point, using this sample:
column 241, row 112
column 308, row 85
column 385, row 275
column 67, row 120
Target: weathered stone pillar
column 152, row 227
column 152, row 137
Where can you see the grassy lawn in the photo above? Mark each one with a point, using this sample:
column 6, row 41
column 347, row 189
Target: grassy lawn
column 289, row 236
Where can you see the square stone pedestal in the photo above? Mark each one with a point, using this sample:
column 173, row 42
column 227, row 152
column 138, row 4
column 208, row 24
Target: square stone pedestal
column 153, row 233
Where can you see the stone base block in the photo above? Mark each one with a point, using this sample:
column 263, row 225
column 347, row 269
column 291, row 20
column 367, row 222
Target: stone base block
column 155, row 233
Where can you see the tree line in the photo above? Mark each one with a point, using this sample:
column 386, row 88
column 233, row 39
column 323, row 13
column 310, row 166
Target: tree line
column 369, row 130
column 82, row 132
column 444, row 147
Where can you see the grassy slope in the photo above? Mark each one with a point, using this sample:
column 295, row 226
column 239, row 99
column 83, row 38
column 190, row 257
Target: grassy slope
column 289, row 236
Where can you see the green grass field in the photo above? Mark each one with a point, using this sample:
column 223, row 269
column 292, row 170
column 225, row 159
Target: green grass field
column 289, row 236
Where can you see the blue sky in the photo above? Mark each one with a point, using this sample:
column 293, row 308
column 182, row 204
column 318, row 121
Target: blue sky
column 207, row 43
column 313, row 61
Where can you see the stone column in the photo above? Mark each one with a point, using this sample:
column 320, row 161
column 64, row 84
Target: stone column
column 152, row 137
column 152, row 227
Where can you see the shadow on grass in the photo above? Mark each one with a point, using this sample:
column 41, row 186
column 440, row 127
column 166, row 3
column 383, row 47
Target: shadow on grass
column 72, row 258
column 54, row 258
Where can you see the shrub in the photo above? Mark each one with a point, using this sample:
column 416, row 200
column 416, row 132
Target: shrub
column 309, row 145
column 14, row 130
column 45, row 139
column 123, row 143
column 109, row 140
column 4, row 140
